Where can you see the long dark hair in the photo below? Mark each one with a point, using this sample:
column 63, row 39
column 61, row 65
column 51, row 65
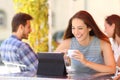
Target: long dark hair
column 114, row 19
column 89, row 21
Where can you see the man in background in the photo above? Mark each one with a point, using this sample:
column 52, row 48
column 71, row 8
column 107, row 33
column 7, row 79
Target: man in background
column 14, row 51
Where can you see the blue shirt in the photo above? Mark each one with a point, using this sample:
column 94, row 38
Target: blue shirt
column 15, row 51
column 91, row 52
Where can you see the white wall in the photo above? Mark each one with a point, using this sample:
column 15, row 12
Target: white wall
column 102, row 8
column 7, row 7
column 99, row 9
column 62, row 10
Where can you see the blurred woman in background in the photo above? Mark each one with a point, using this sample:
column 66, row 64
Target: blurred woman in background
column 112, row 29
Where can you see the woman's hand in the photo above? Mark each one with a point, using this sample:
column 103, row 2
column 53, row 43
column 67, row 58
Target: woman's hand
column 79, row 56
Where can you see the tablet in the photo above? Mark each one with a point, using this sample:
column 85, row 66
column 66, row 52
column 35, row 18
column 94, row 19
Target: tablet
column 51, row 64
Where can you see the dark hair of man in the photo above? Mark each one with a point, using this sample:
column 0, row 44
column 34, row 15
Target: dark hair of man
column 20, row 19
column 89, row 21
column 114, row 19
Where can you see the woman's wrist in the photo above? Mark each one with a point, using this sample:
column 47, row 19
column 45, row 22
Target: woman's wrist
column 86, row 63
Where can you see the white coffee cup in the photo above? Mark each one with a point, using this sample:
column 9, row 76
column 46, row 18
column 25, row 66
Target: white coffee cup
column 70, row 53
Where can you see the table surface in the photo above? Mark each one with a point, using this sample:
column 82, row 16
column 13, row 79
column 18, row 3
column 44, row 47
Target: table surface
column 70, row 76
column 82, row 76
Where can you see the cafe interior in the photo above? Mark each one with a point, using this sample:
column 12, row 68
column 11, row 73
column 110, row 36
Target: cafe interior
column 50, row 22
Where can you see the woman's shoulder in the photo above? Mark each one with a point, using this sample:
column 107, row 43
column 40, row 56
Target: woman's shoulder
column 104, row 44
column 105, row 41
column 65, row 44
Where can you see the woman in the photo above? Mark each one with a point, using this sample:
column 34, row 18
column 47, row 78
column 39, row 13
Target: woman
column 93, row 51
column 112, row 29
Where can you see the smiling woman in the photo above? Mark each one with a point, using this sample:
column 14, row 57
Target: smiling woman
column 92, row 49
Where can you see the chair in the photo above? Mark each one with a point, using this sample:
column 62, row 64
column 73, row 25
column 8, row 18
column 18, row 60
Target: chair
column 1, row 63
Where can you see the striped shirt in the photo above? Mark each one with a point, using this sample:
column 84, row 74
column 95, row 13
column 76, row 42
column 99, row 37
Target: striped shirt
column 14, row 50
column 92, row 52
